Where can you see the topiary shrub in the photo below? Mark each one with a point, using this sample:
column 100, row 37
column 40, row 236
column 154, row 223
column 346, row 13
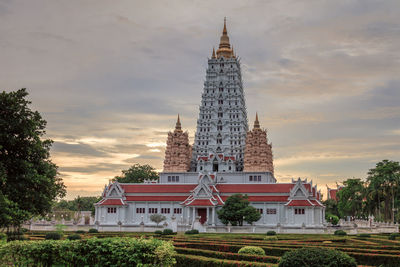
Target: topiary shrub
column 252, row 251
column 80, row 232
column 74, row 237
column 271, row 233
column 158, row 232
column 93, row 230
column 192, row 232
column 53, row 236
column 364, row 235
column 168, row 232
column 3, row 237
column 393, row 236
column 340, row 232
column 271, row 238
column 316, row 257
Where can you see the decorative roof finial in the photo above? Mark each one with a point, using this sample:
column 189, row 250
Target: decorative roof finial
column 213, row 53
column 224, row 49
column 178, row 126
column 256, row 122
column 224, row 32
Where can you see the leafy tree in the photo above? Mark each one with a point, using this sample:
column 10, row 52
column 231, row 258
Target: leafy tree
column 384, row 188
column 137, row 174
column 28, row 179
column 157, row 218
column 237, row 209
column 351, row 198
column 78, row 204
column 331, row 207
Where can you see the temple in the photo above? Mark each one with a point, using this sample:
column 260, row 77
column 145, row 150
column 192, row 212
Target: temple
column 226, row 158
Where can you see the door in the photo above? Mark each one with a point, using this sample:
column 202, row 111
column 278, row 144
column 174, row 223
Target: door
column 203, row 215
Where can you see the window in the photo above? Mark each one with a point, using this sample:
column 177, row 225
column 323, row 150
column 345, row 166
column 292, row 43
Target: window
column 153, row 210
column 258, row 177
column 299, row 211
column 176, row 178
column 165, row 210
column 111, row 210
column 178, row 210
column 271, row 211
column 251, row 178
column 260, row 211
column 140, row 210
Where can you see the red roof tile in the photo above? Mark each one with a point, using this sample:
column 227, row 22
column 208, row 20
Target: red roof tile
column 255, row 188
column 112, row 202
column 157, row 188
column 316, row 203
column 263, row 198
column 299, row 203
column 156, row 198
column 201, row 202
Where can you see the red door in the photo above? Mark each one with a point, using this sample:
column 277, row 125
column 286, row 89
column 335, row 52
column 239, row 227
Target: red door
column 203, row 215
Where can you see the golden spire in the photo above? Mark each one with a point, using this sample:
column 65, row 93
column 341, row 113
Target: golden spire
column 256, row 122
column 213, row 53
column 224, row 49
column 178, row 126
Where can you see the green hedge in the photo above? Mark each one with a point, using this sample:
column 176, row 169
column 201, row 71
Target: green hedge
column 340, row 232
column 200, row 261
column 252, row 250
column 316, row 257
column 227, row 255
column 89, row 252
column 376, row 259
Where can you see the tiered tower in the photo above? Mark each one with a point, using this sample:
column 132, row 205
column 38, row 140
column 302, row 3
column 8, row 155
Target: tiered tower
column 258, row 153
column 178, row 151
column 222, row 124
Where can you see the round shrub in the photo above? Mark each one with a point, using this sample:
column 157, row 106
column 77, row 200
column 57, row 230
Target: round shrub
column 74, row 237
column 271, row 233
column 168, row 232
column 53, row 236
column 80, row 232
column 340, row 232
column 271, row 238
column 3, row 236
column 93, row 230
column 316, row 257
column 333, row 219
column 252, row 250
column 393, row 236
column 158, row 232
column 192, row 232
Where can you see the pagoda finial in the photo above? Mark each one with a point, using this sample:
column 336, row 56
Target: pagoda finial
column 213, row 53
column 256, row 122
column 178, row 126
column 225, row 32
column 224, row 49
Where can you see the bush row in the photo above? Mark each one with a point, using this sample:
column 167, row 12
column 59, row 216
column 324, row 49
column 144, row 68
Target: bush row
column 90, row 252
column 200, row 261
column 227, row 255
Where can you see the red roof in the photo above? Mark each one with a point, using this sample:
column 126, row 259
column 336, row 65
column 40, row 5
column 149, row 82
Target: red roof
column 156, row 198
column 299, row 203
column 158, row 188
column 254, row 188
column 203, row 158
column 332, row 194
column 263, row 198
column 228, row 158
column 201, row 202
column 316, row 203
column 111, row 202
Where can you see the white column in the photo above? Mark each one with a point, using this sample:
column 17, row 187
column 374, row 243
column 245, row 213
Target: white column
column 146, row 213
column 134, row 212
column 264, row 214
column 194, row 213
column 312, row 216
column 278, row 214
column 208, row 215
column 213, row 216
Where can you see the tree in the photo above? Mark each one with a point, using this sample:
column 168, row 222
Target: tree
column 28, row 179
column 137, row 174
column 78, row 204
column 351, row 198
column 331, row 207
column 384, row 185
column 157, row 218
column 237, row 209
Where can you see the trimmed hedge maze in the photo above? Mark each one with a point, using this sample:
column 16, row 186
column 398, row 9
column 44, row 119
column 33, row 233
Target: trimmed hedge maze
column 222, row 249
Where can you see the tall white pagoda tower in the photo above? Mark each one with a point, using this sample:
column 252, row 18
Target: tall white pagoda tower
column 222, row 124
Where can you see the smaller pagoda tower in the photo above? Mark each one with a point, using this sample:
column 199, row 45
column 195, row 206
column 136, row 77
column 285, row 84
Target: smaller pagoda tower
column 178, row 152
column 258, row 153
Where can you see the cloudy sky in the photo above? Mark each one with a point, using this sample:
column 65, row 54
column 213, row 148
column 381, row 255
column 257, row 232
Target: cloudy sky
column 111, row 76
